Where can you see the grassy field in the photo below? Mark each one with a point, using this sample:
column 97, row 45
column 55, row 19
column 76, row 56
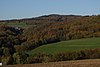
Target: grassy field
column 15, row 24
column 71, row 45
column 21, row 24
column 76, row 63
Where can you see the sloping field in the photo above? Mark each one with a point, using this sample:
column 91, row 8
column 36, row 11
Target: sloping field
column 15, row 24
column 71, row 45
column 77, row 63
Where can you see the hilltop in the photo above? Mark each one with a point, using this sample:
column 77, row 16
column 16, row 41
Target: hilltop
column 51, row 17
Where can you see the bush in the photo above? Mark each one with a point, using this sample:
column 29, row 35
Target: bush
column 39, row 58
column 20, row 58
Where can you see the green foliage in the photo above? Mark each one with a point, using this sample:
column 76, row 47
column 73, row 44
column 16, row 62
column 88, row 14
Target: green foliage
column 20, row 58
column 83, row 54
column 6, row 52
column 40, row 58
column 10, row 61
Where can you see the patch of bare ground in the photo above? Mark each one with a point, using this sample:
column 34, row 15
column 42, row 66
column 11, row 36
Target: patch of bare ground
column 76, row 63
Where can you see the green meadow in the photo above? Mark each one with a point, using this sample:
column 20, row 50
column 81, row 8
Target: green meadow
column 71, row 45
column 15, row 24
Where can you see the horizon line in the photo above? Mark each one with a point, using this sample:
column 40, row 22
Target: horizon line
column 47, row 15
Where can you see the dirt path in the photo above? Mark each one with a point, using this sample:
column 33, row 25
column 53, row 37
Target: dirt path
column 77, row 63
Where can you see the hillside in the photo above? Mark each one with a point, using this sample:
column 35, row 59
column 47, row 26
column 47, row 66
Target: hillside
column 45, row 18
column 19, row 36
column 78, row 63
column 65, row 46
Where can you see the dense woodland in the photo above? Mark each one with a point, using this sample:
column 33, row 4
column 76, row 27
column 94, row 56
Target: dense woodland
column 16, row 41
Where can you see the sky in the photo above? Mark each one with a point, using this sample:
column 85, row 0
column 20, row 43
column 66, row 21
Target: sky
column 17, row 9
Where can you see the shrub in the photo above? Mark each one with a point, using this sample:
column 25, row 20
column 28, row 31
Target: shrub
column 39, row 58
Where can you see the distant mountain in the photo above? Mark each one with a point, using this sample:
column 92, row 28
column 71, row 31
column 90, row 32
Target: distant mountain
column 50, row 18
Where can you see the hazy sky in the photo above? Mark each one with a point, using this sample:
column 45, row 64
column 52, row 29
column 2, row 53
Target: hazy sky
column 13, row 9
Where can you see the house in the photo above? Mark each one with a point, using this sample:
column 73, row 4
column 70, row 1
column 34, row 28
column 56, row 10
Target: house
column 0, row 64
column 18, row 28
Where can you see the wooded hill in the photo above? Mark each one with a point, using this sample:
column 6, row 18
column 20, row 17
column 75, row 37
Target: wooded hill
column 45, row 18
column 15, row 40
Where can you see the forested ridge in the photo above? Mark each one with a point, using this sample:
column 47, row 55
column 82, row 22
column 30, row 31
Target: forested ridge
column 16, row 41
